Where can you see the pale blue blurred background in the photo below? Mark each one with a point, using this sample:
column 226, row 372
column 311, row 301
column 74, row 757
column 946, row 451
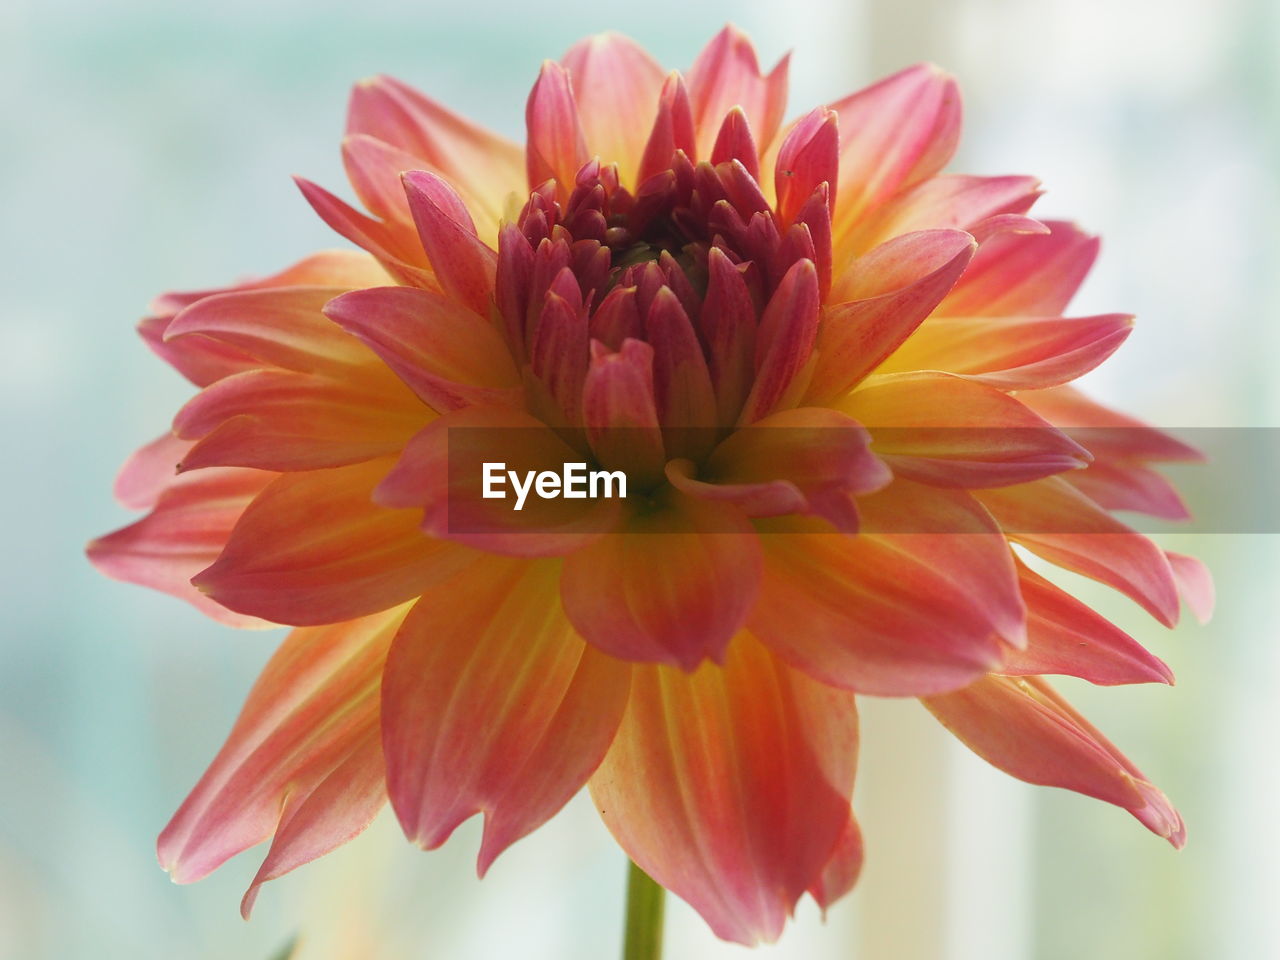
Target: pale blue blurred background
column 148, row 145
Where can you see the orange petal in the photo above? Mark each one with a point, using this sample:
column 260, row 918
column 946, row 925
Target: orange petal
column 1024, row 275
column 1055, row 521
column 303, row 761
column 1012, row 353
column 482, row 166
column 895, row 133
column 671, row 586
column 726, row 74
column 184, row 533
column 949, row 431
column 1023, row 727
column 914, row 603
column 730, row 786
column 1065, row 636
column 879, row 301
column 616, row 84
column 281, row 420
column 493, row 705
column 449, row 356
column 313, row 548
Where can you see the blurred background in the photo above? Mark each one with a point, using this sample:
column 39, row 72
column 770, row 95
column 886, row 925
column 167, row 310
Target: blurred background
column 148, row 147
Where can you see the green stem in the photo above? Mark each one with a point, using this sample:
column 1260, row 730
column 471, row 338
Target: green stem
column 645, row 900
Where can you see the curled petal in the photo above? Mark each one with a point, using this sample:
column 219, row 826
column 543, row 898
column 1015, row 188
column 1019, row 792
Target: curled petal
column 484, row 168
column 447, row 355
column 805, row 460
column 808, row 157
column 948, row 431
column 281, row 565
column 1065, row 636
column 914, row 603
column 672, row 585
column 395, row 245
column 726, row 74
column 784, row 341
column 617, row 86
column 1118, row 485
column 184, row 533
column 1024, row 274
column 1055, row 521
column 1023, row 727
column 463, row 265
column 620, row 410
column 556, row 149
column 303, row 761
column 730, row 786
column 493, row 705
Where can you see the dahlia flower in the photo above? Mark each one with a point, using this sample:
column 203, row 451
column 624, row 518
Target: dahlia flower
column 837, row 380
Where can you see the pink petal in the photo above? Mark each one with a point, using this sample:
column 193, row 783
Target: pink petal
column 1195, row 584
column 483, row 167
column 447, row 355
column 464, row 266
column 672, row 130
column 617, row 86
column 1117, row 485
column 894, row 134
column 493, row 705
column 945, row 430
column 804, row 460
column 726, row 74
column 1107, row 433
column 880, row 301
column 950, row 201
column 730, row 786
column 842, row 869
column 396, row 247
column 1054, row 521
column 281, row 564
column 150, row 471
column 620, row 410
column 808, row 157
column 735, row 142
column 184, row 533
column 784, row 341
column 1013, row 353
column 1024, row 275
column 681, row 382
column 673, row 585
column 1065, row 636
column 556, row 148
column 889, row 612
column 1024, row 728
column 302, row 761
column 729, row 328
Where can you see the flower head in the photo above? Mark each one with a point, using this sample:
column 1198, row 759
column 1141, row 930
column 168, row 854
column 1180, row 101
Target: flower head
column 836, row 380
